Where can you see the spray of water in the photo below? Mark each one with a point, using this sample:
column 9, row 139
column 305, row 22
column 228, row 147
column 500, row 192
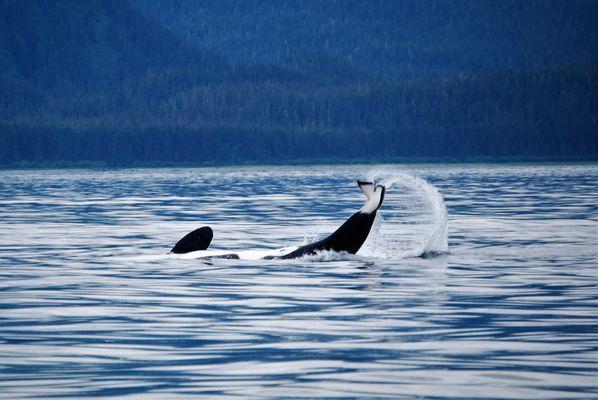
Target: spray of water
column 421, row 229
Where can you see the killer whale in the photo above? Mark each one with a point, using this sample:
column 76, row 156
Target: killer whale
column 349, row 237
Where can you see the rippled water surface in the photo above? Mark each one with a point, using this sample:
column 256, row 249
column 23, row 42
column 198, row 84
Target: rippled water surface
column 92, row 304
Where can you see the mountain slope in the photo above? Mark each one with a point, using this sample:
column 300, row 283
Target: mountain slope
column 393, row 40
column 73, row 45
column 96, row 82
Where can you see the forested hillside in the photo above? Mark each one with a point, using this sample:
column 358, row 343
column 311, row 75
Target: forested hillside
column 391, row 40
column 103, row 83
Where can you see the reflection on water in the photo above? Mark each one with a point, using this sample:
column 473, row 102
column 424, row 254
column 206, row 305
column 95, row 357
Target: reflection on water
column 92, row 305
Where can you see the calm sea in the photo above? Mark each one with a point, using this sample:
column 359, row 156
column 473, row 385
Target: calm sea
column 477, row 281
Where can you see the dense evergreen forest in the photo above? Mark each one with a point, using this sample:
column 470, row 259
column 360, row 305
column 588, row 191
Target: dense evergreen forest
column 106, row 82
column 387, row 40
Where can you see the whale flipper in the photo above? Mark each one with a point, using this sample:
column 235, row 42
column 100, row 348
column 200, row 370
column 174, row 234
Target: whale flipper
column 352, row 234
column 199, row 239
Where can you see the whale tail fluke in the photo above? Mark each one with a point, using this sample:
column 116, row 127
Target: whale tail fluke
column 374, row 194
column 367, row 188
column 199, row 239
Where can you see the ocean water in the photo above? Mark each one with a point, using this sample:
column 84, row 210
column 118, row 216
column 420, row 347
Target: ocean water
column 477, row 281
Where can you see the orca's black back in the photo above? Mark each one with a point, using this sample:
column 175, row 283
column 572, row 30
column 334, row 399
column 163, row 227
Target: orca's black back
column 199, row 239
column 349, row 237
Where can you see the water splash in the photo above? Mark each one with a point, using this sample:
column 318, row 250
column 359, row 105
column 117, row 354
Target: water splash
column 412, row 223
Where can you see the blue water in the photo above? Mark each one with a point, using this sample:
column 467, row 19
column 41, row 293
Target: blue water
column 502, row 305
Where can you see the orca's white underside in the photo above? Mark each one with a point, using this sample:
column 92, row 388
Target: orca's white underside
column 242, row 254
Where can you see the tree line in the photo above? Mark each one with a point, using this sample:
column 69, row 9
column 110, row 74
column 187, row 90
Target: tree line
column 547, row 113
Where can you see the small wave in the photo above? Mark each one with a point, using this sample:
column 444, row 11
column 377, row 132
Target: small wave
column 143, row 257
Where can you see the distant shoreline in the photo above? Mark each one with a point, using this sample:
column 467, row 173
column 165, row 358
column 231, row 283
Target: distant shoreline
column 307, row 162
